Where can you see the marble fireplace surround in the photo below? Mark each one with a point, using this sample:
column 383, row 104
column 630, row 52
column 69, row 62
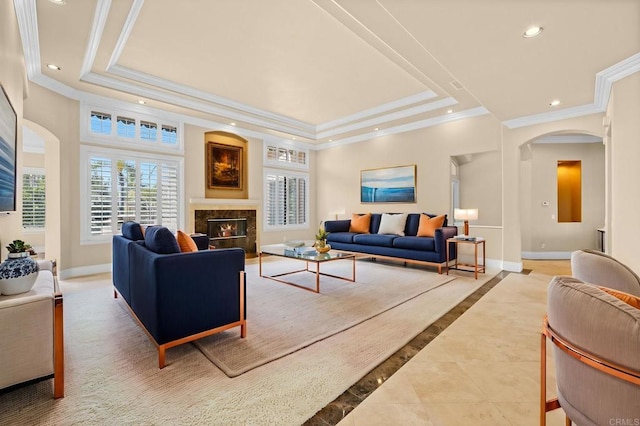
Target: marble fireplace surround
column 202, row 209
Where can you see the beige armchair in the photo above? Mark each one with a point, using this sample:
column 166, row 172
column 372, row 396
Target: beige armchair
column 596, row 339
column 595, row 267
column 31, row 332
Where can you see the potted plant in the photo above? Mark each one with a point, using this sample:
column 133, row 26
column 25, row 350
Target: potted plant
column 18, row 249
column 321, row 240
column 18, row 273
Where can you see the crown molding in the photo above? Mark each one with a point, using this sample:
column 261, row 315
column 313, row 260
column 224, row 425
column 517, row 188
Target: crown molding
column 223, row 105
column 28, row 26
column 99, row 22
column 126, row 31
column 568, row 139
column 442, row 103
column 602, row 92
column 380, row 109
column 429, row 122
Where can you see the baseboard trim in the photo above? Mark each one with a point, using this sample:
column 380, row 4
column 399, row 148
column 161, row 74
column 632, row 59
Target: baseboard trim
column 546, row 255
column 511, row 266
column 84, row 270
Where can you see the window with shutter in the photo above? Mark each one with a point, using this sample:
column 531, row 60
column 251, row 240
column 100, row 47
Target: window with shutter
column 128, row 186
column 286, row 202
column 33, row 199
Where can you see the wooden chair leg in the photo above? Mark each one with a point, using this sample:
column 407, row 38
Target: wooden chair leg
column 161, row 363
column 567, row 421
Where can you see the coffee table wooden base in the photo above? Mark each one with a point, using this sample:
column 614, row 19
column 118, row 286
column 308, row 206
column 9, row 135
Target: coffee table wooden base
column 306, row 269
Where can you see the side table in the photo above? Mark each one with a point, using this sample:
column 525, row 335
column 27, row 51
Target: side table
column 477, row 267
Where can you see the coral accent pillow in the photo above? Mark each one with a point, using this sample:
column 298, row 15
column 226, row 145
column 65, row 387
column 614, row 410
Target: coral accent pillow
column 428, row 225
column 393, row 224
column 360, row 223
column 627, row 298
column 186, row 243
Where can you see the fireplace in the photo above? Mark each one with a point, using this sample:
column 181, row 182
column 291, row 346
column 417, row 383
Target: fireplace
column 228, row 228
column 225, row 228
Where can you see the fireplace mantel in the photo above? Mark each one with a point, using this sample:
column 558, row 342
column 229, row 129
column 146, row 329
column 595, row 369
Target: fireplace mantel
column 223, row 202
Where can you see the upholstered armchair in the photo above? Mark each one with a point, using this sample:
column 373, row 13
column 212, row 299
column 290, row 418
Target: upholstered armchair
column 595, row 267
column 596, row 352
column 31, row 332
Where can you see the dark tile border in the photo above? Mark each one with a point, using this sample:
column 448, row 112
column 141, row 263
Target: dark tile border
column 335, row 411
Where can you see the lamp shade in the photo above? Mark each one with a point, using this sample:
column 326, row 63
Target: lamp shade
column 465, row 214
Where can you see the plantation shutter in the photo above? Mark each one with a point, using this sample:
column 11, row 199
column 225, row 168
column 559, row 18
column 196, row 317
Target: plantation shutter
column 169, row 206
column 100, row 196
column 126, row 190
column 148, row 193
column 33, row 200
column 285, row 199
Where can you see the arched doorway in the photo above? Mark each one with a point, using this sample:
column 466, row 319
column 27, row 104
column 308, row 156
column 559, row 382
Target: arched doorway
column 36, row 135
column 545, row 235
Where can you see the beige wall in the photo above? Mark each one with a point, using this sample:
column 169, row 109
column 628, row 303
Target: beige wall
column 12, row 77
column 481, row 187
column 429, row 149
column 540, row 224
column 60, row 116
column 624, row 148
column 513, row 204
column 195, row 187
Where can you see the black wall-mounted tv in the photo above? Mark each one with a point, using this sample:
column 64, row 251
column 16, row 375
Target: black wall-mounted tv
column 8, row 142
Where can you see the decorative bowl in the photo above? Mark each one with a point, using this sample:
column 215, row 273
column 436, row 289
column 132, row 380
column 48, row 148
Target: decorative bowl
column 324, row 249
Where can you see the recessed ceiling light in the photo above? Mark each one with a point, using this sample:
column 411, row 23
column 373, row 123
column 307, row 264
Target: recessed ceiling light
column 532, row 32
column 53, row 67
column 449, row 111
column 59, row 2
column 330, row 140
column 293, row 138
column 233, row 124
column 554, row 102
column 142, row 102
column 376, row 129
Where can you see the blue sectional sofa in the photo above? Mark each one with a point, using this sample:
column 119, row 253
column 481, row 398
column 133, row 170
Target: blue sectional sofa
column 409, row 248
column 178, row 297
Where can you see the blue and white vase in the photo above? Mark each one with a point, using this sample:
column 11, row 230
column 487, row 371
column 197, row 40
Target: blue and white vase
column 17, row 274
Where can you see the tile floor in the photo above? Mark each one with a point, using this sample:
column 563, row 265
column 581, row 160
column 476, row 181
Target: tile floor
column 481, row 368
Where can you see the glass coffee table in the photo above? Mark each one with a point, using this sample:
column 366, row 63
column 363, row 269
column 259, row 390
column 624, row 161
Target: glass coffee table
column 307, row 255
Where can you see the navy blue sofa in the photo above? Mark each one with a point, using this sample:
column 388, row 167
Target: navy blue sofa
column 179, row 297
column 409, row 248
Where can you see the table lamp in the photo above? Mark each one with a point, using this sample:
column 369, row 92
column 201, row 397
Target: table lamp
column 466, row 215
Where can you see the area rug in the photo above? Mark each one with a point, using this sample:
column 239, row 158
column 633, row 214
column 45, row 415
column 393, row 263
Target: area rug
column 283, row 319
column 112, row 375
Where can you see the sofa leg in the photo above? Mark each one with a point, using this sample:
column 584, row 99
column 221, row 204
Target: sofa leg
column 161, row 356
column 243, row 330
column 440, row 269
column 115, row 294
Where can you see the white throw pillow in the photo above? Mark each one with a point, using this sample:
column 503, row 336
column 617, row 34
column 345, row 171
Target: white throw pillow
column 393, row 223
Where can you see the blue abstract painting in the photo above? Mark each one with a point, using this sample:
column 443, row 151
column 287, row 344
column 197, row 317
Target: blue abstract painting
column 388, row 185
column 8, row 129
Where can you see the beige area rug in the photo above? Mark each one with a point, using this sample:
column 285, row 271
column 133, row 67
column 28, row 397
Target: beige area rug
column 283, row 319
column 112, row 376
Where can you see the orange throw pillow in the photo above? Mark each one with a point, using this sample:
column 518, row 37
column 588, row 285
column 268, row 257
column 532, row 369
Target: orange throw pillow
column 428, row 225
column 185, row 242
column 627, row 298
column 360, row 223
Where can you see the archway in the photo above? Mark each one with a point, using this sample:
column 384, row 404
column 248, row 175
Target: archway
column 53, row 214
column 543, row 235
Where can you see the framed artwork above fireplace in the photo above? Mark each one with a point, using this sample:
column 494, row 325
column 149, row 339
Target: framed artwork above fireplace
column 224, row 166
